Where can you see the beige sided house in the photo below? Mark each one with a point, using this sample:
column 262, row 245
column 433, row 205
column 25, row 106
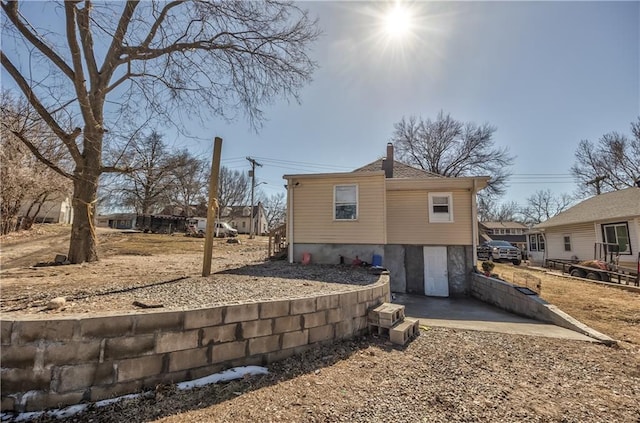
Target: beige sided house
column 423, row 226
column 613, row 217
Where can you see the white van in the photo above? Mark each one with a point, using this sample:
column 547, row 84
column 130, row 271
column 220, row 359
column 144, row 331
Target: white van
column 222, row 229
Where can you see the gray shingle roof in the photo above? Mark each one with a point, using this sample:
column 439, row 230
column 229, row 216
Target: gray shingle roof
column 502, row 225
column 611, row 205
column 400, row 170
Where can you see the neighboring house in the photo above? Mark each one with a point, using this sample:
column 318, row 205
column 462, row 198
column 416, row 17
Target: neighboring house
column 56, row 210
column 116, row 221
column 239, row 217
column 513, row 232
column 574, row 234
column 423, row 226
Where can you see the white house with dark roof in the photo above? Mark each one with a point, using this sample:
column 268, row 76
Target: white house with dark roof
column 576, row 233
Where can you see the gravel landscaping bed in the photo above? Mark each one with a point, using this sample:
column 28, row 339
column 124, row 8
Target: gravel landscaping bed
column 442, row 376
column 258, row 280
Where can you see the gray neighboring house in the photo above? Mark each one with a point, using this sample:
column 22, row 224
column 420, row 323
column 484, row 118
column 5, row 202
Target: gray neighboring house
column 613, row 217
column 513, row 232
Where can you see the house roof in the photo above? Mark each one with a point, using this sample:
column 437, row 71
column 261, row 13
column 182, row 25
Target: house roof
column 503, row 225
column 400, row 170
column 608, row 206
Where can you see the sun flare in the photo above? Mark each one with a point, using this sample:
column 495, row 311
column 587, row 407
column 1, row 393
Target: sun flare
column 397, row 21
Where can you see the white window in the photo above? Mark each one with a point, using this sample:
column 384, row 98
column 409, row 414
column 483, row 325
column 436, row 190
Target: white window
column 536, row 242
column 440, row 207
column 345, row 202
column 617, row 233
column 567, row 242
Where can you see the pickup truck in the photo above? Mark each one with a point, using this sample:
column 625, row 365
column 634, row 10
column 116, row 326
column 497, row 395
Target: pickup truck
column 499, row 251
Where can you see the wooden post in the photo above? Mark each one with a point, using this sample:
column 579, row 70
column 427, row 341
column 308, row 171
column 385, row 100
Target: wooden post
column 213, row 205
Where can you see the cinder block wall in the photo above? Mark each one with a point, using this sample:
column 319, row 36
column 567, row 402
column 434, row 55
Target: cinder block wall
column 58, row 362
column 505, row 296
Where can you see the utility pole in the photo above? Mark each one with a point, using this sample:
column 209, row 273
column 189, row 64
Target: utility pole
column 212, row 206
column 252, row 173
column 596, row 181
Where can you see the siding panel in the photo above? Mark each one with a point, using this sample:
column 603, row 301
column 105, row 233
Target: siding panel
column 313, row 212
column 408, row 220
column 582, row 241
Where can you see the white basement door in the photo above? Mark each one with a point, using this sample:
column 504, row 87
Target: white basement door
column 436, row 278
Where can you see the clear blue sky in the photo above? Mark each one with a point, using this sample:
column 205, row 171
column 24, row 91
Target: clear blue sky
column 547, row 74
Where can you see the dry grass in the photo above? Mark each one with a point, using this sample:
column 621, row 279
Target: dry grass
column 610, row 310
column 43, row 242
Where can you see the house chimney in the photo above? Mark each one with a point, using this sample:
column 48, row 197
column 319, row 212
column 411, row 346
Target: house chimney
column 387, row 164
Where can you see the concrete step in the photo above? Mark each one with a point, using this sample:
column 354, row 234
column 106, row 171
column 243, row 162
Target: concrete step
column 403, row 332
column 386, row 315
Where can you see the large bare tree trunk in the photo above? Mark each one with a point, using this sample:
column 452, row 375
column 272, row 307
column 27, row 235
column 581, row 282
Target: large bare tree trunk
column 83, row 246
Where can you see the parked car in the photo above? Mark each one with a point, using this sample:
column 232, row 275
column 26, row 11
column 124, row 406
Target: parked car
column 499, row 251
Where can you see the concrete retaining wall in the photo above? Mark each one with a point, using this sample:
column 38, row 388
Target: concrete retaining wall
column 58, row 362
column 505, row 296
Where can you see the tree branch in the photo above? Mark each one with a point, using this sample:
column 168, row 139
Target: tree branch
column 67, row 139
column 158, row 22
column 111, row 59
column 82, row 18
column 11, row 10
column 76, row 57
column 39, row 155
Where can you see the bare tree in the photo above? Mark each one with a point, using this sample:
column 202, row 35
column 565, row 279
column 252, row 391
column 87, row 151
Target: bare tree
column 492, row 211
column 147, row 185
column 543, row 205
column 234, row 188
column 26, row 184
column 610, row 165
column 275, row 208
column 118, row 64
column 452, row 148
column 190, row 183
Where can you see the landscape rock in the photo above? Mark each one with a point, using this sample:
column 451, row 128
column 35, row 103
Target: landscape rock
column 56, row 303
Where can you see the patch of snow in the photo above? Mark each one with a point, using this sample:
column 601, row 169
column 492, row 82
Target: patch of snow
column 225, row 376
column 61, row 413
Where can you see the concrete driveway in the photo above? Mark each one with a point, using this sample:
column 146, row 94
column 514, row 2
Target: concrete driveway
column 471, row 314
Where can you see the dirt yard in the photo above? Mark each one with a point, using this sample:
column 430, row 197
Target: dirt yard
column 444, row 375
column 610, row 310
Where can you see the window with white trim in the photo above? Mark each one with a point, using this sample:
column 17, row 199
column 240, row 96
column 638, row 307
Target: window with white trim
column 440, row 207
column 345, row 202
column 617, row 233
column 536, row 242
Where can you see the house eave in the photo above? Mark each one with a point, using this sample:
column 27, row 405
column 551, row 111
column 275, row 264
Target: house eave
column 349, row 175
column 466, row 183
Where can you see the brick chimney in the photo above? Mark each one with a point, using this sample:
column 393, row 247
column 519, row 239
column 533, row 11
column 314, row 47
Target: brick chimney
column 387, row 163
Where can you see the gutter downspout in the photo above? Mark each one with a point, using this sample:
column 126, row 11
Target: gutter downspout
column 290, row 220
column 474, row 224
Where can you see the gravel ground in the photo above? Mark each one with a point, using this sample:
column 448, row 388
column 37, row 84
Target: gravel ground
column 442, row 376
column 91, row 288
